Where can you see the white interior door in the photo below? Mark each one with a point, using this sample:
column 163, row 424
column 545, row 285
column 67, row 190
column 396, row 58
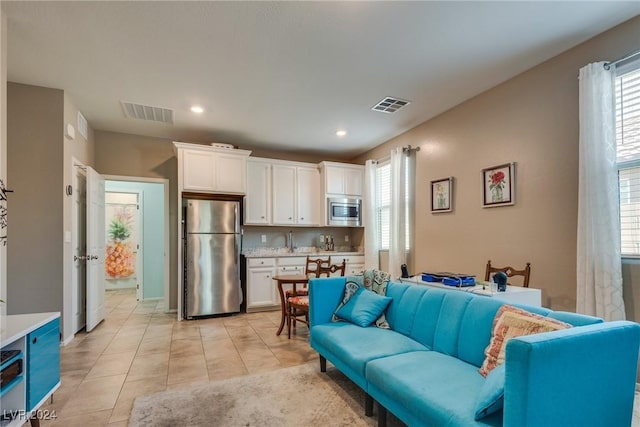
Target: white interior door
column 95, row 249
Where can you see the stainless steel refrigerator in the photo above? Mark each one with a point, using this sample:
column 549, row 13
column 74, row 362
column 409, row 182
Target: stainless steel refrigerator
column 212, row 257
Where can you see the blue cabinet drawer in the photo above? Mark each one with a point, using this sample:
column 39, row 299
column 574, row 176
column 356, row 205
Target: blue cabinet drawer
column 43, row 362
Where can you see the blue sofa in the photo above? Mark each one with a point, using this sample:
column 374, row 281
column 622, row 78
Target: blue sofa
column 424, row 369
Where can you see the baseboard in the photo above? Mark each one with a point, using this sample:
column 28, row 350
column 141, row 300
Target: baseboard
column 69, row 339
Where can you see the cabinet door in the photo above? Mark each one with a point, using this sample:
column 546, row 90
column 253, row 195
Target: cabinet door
column 308, row 196
column 261, row 288
column 257, row 206
column 353, row 182
column 284, row 185
column 43, row 362
column 198, row 171
column 353, row 269
column 230, row 173
column 334, row 180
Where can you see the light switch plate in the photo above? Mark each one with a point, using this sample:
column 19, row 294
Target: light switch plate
column 346, row 237
column 264, row 238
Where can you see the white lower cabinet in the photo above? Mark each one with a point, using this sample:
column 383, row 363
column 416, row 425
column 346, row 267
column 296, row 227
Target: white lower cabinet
column 262, row 291
column 261, row 288
column 355, row 264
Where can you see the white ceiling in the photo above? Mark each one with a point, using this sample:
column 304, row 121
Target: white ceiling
column 287, row 75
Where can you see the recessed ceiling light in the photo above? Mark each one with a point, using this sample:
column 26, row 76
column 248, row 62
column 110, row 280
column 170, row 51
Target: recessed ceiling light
column 197, row 109
column 341, row 132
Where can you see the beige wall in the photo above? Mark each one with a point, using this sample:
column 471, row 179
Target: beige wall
column 532, row 120
column 3, row 149
column 35, row 174
column 81, row 149
column 40, row 261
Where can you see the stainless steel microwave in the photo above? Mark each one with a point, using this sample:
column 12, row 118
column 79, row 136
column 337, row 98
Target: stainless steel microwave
column 344, row 212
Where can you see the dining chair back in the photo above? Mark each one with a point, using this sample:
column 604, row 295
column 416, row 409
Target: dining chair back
column 510, row 272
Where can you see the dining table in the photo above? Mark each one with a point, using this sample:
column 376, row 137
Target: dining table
column 292, row 280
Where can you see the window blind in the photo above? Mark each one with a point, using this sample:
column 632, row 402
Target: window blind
column 383, row 176
column 628, row 157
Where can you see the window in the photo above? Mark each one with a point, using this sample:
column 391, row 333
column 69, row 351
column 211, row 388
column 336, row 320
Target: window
column 628, row 153
column 383, row 205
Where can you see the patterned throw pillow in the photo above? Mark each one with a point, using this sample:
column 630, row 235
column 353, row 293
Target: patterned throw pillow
column 373, row 280
column 377, row 281
column 513, row 322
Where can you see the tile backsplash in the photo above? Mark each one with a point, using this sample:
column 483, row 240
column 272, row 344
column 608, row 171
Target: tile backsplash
column 276, row 237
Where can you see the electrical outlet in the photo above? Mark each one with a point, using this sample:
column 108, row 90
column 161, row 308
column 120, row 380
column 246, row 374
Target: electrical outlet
column 346, row 237
column 264, row 238
column 322, row 238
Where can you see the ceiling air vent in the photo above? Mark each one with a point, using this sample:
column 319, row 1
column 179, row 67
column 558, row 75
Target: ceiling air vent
column 390, row 105
column 147, row 112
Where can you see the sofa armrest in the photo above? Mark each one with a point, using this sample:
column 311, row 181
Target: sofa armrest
column 582, row 376
column 324, row 296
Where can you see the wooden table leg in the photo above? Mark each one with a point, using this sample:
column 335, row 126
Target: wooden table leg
column 282, row 308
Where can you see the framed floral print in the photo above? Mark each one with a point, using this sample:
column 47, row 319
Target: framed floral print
column 498, row 185
column 441, row 193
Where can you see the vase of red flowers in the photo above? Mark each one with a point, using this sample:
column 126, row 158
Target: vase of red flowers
column 496, row 186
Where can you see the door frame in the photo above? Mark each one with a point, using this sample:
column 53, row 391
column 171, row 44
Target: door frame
column 167, row 248
column 140, row 249
column 78, row 169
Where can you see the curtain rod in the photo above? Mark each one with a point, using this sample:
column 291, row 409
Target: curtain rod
column 409, row 148
column 608, row 65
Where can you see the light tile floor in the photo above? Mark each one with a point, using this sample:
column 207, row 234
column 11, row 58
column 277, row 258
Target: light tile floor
column 138, row 349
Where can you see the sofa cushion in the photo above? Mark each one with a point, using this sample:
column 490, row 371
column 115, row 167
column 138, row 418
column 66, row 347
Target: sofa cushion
column 491, row 397
column 512, row 322
column 437, row 389
column 363, row 308
column 355, row 346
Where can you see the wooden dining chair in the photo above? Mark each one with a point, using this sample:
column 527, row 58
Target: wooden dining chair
column 510, row 272
column 310, row 270
column 298, row 305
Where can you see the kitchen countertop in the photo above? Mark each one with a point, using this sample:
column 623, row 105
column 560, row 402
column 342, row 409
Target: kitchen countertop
column 300, row 252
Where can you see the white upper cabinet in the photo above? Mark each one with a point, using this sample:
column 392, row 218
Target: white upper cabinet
column 308, row 196
column 296, row 194
column 257, row 203
column 212, row 170
column 284, row 194
column 342, row 179
column 198, row 171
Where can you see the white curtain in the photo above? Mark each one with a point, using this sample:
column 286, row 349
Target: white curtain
column 397, row 230
column 370, row 215
column 599, row 288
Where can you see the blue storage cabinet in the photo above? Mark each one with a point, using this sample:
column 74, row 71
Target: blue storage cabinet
column 43, row 362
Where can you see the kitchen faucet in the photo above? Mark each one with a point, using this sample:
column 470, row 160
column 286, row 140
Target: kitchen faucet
column 290, row 242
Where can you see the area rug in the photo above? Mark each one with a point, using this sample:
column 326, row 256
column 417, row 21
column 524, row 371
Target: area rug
column 297, row 396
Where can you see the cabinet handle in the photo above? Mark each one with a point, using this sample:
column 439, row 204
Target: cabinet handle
column 261, row 262
column 301, row 219
column 262, row 217
column 35, row 340
column 289, row 217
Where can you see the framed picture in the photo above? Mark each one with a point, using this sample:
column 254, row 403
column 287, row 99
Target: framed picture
column 498, row 185
column 441, row 191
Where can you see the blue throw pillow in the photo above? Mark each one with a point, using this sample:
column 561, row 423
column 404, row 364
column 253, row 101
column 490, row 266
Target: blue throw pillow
column 491, row 397
column 363, row 308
